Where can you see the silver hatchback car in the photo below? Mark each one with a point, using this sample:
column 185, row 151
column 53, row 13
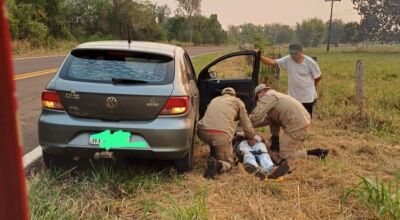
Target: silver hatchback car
column 140, row 99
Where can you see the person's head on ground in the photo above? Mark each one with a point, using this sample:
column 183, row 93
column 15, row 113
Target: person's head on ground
column 260, row 90
column 296, row 52
column 229, row 91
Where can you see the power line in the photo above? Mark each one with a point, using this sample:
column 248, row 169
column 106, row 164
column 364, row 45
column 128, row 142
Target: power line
column 344, row 12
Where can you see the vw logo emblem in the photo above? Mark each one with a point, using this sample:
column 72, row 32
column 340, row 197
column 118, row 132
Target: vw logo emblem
column 111, row 102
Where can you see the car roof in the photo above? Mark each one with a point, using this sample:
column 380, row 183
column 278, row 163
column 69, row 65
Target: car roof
column 138, row 46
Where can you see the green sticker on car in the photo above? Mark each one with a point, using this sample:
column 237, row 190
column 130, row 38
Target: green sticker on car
column 118, row 139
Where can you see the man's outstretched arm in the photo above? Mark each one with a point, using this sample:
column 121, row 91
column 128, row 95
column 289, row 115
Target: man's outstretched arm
column 268, row 61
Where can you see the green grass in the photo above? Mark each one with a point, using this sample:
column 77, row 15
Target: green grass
column 197, row 208
column 383, row 197
column 199, row 62
column 96, row 193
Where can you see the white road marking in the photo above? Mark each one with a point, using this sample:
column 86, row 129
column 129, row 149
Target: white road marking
column 32, row 156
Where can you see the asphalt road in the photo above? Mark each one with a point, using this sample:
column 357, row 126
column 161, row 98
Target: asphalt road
column 31, row 77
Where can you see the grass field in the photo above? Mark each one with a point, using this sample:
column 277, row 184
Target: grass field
column 359, row 179
column 25, row 49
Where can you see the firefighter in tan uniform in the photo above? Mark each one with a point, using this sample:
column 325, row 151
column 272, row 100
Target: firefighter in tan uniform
column 217, row 129
column 282, row 111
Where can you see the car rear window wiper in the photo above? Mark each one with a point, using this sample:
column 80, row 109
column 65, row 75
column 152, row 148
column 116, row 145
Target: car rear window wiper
column 127, row 81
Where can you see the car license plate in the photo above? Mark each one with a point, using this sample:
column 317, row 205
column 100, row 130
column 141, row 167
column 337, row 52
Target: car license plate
column 94, row 141
column 118, row 139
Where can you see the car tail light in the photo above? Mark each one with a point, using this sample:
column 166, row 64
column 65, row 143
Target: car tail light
column 176, row 106
column 51, row 100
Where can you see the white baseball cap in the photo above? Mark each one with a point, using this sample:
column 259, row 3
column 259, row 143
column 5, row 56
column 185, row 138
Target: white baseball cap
column 260, row 87
column 228, row 90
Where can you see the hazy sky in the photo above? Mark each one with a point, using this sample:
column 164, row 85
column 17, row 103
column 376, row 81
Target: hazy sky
column 289, row 12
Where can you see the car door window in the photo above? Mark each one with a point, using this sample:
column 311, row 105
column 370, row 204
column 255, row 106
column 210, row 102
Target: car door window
column 238, row 70
column 237, row 67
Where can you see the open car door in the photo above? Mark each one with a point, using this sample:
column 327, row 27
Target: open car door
column 238, row 70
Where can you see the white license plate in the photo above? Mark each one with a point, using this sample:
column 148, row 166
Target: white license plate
column 94, row 141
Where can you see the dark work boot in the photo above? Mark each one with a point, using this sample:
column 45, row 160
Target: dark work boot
column 212, row 168
column 279, row 171
column 318, row 152
column 250, row 168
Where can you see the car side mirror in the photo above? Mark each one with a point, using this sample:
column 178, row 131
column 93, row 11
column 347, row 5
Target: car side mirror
column 213, row 74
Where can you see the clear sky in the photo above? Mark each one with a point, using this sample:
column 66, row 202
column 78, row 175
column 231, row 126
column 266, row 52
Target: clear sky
column 289, row 12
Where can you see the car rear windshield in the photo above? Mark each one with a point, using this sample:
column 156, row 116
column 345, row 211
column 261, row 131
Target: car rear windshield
column 105, row 65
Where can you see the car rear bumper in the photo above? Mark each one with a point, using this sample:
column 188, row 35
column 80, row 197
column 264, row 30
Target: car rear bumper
column 71, row 151
column 168, row 137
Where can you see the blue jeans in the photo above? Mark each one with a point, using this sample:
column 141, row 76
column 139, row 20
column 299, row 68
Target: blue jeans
column 256, row 154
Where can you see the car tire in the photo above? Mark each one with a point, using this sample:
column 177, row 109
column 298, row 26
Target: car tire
column 53, row 161
column 185, row 164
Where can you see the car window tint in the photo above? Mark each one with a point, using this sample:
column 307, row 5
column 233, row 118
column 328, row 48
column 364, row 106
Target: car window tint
column 237, row 67
column 189, row 70
column 102, row 66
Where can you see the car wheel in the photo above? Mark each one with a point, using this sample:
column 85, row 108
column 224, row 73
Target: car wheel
column 53, row 161
column 186, row 163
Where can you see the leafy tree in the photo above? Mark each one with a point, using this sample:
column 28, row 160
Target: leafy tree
column 205, row 30
column 12, row 19
column 162, row 12
column 177, row 28
column 250, row 31
column 57, row 13
column 381, row 19
column 43, row 22
column 92, row 18
column 337, row 31
column 310, row 32
column 216, row 35
column 27, row 24
column 233, row 34
column 352, row 33
column 279, row 33
column 188, row 8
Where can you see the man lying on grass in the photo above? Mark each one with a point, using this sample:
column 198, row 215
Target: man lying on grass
column 256, row 159
column 283, row 112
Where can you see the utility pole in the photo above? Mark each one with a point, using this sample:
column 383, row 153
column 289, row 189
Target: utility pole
column 330, row 23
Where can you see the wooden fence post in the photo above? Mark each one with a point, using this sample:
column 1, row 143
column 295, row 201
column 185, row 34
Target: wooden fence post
column 359, row 85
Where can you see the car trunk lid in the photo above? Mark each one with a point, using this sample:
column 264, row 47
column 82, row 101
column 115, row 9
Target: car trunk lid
column 139, row 102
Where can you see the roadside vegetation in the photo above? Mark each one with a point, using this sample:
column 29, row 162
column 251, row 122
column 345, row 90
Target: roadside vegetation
column 58, row 25
column 358, row 180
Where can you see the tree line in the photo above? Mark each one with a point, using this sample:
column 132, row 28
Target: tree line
column 44, row 22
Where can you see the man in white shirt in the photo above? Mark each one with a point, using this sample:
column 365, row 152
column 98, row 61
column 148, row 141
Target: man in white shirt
column 303, row 74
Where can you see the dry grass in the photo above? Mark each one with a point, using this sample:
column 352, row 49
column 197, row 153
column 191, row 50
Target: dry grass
column 234, row 68
column 25, row 48
column 314, row 190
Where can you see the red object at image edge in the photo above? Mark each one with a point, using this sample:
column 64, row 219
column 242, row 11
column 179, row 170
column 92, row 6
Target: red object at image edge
column 13, row 203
